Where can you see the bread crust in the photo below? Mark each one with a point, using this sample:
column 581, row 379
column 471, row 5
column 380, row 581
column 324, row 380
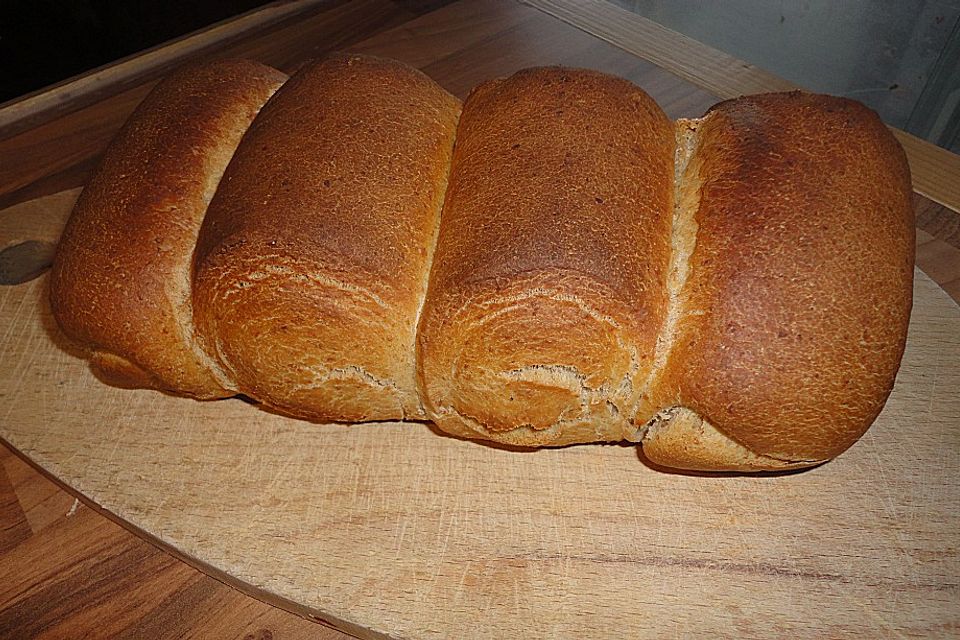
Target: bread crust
column 794, row 315
column 546, row 294
column 312, row 263
column 120, row 284
column 733, row 292
column 680, row 439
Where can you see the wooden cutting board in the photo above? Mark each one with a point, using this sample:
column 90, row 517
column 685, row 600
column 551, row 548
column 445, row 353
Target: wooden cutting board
column 396, row 529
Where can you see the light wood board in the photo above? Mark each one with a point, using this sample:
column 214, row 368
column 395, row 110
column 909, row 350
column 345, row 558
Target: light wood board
column 394, row 529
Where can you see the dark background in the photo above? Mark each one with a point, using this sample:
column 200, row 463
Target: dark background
column 900, row 57
column 46, row 41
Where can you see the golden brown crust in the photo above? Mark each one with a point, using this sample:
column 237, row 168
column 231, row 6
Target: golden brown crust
column 120, row 282
column 733, row 291
column 313, row 260
column 796, row 307
column 547, row 290
column 680, row 439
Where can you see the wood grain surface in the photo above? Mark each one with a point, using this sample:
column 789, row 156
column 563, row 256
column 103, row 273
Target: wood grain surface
column 63, row 554
column 864, row 545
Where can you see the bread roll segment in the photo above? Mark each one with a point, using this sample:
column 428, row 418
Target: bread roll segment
column 546, row 293
column 120, row 284
column 313, row 260
column 793, row 315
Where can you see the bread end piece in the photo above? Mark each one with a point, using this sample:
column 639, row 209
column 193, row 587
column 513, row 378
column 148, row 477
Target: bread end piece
column 795, row 312
column 120, row 282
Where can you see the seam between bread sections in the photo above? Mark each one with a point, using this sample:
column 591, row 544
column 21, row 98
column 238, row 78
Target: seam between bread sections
column 213, row 180
column 428, row 271
column 683, row 240
column 187, row 323
column 687, row 196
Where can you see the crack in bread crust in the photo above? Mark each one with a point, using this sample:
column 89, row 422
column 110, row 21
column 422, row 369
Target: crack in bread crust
column 354, row 373
column 679, row 437
column 522, row 436
column 274, row 270
column 611, row 397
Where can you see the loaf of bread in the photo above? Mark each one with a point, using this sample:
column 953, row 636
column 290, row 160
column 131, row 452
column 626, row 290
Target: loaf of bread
column 558, row 263
column 120, row 284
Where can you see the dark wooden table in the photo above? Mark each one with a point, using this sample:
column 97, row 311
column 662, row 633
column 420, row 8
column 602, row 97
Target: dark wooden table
column 72, row 572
